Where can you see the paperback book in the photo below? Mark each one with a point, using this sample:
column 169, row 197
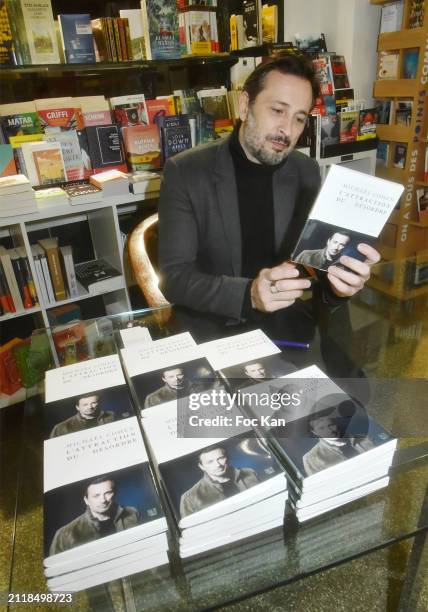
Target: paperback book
column 142, row 147
column 94, row 451
column 130, row 110
column 39, row 30
column 19, row 119
column 98, row 276
column 77, row 38
column 219, row 490
column 175, row 134
column 7, row 160
column 352, row 207
column 349, row 123
column 311, row 43
column 333, row 452
column 367, row 124
column 167, row 370
column 105, row 148
column 403, row 112
column 83, row 193
column 252, row 21
column 246, row 359
column 160, row 29
column 138, row 47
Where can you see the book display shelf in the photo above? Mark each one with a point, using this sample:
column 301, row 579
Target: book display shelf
column 403, row 243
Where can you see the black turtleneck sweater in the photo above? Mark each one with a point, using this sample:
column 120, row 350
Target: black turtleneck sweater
column 254, row 184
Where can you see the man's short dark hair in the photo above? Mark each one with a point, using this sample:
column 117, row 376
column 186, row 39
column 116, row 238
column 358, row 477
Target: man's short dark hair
column 256, row 362
column 342, row 233
column 99, row 480
column 286, row 63
column 86, row 395
column 171, row 368
column 210, row 449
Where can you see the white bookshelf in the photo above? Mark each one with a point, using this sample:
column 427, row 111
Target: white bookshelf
column 103, row 220
column 363, row 161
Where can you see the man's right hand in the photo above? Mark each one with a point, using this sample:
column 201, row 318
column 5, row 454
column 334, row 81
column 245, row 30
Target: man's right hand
column 276, row 288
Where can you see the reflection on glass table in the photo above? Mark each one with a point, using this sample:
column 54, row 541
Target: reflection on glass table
column 283, row 555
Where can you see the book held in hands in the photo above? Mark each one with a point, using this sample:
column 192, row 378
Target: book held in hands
column 351, row 208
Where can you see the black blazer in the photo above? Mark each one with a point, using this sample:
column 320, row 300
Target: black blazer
column 199, row 225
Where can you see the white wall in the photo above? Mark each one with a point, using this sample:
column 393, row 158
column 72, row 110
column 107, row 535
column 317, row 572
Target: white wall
column 351, row 29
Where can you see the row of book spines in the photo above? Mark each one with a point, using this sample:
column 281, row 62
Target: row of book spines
column 55, row 272
column 112, row 39
column 111, row 35
column 23, row 280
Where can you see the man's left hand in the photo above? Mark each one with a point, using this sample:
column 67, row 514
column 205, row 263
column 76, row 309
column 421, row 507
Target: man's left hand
column 346, row 283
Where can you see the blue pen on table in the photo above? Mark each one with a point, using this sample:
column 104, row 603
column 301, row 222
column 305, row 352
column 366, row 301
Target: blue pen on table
column 280, row 343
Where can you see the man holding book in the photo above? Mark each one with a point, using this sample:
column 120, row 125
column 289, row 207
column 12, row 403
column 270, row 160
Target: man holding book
column 231, row 212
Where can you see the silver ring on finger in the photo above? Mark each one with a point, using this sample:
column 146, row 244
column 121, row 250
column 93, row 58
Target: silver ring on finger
column 273, row 288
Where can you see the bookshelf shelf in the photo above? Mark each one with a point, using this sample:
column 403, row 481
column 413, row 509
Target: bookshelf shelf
column 419, row 224
column 403, row 39
column 21, row 313
column 394, row 88
column 398, row 133
column 388, row 288
column 407, row 236
column 101, row 67
column 84, row 295
column 386, row 252
column 78, row 209
column 392, row 174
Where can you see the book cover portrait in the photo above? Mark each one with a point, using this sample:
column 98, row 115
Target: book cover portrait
column 216, row 472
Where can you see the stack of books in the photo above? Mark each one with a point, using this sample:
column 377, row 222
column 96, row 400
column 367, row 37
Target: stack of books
column 17, row 197
column 102, row 515
column 331, row 450
column 51, row 197
column 220, row 489
column 111, row 182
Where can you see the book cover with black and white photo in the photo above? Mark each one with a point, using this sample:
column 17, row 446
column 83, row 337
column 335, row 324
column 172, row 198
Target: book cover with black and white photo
column 332, row 451
column 246, row 359
column 351, row 208
column 99, row 494
column 168, row 369
column 219, row 489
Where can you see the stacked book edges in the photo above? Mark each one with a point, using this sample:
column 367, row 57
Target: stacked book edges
column 17, row 197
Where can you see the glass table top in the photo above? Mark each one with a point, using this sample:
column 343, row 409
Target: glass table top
column 384, row 349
